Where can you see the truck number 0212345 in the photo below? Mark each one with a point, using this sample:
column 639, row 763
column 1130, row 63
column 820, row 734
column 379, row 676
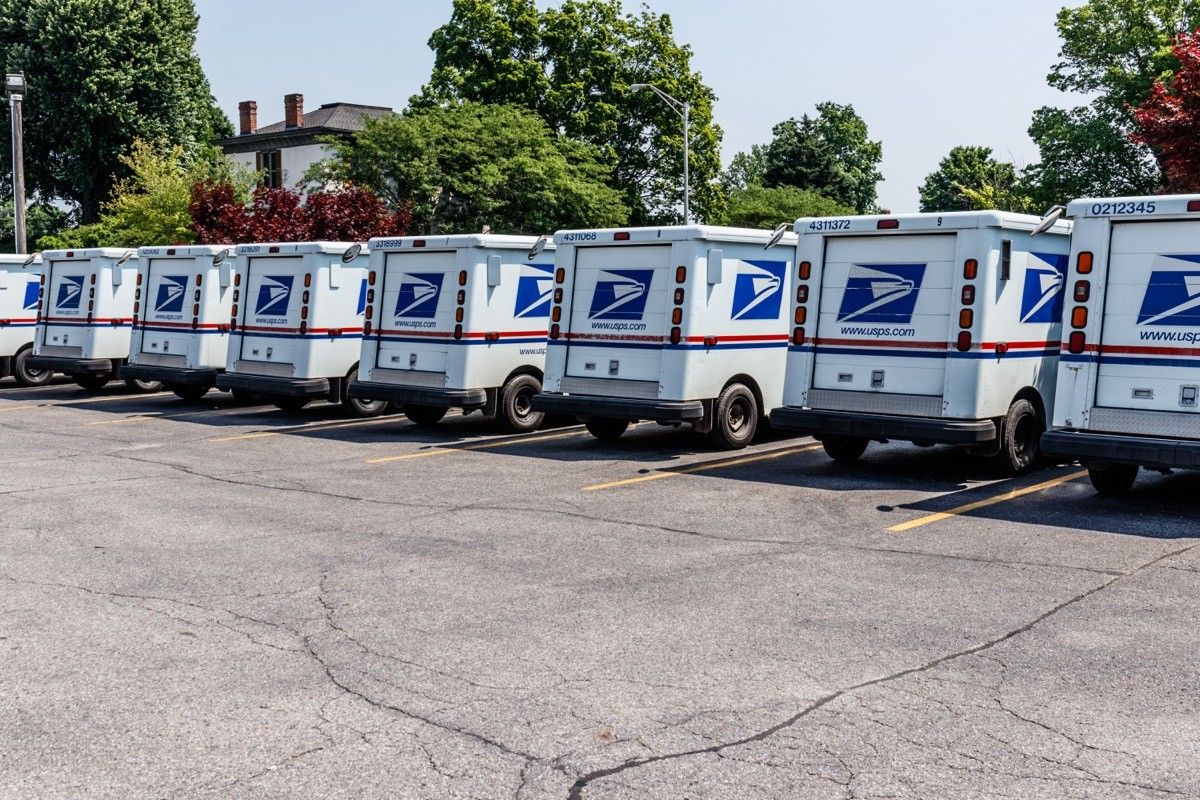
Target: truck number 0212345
column 1107, row 209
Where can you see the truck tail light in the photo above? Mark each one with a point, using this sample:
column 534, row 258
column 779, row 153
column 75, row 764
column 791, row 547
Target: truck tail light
column 966, row 318
column 371, row 278
column 233, row 312
column 970, row 269
column 560, row 275
column 196, row 295
column 304, row 297
column 679, row 296
column 303, row 312
column 138, row 280
column 458, row 331
column 303, row 327
column 1194, row 205
column 1083, row 290
column 677, row 316
column 137, row 294
column 1076, row 342
column 888, row 224
column 462, row 296
column 199, row 279
column 462, row 277
column 1083, row 264
column 195, row 323
column 963, row 343
column 680, row 274
column 801, row 315
column 798, row 337
column 136, row 307
column 92, row 279
column 237, row 279
column 676, row 335
column 491, row 336
column 558, row 295
column 369, row 312
column 367, row 327
column 370, row 295
column 232, row 324
column 195, row 309
column 968, row 295
column 1079, row 317
column 307, row 279
column 555, row 331
column 710, row 341
column 621, row 236
column 90, row 317
column 805, row 270
column 236, row 294
column 556, row 314
column 802, row 294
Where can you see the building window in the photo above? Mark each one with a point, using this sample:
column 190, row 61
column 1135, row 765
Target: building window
column 270, row 164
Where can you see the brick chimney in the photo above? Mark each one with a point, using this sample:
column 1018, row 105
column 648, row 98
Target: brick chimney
column 248, row 117
column 293, row 110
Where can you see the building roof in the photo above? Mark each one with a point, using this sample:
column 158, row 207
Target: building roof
column 331, row 118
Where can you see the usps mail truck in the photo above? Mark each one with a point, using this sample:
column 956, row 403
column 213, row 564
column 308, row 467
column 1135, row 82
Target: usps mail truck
column 1129, row 377
column 927, row 328
column 457, row 322
column 20, row 291
column 87, row 316
column 673, row 325
column 296, row 324
column 181, row 311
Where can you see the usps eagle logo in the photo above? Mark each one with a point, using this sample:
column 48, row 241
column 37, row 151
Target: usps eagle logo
column 274, row 294
column 32, row 292
column 621, row 294
column 535, row 285
column 758, row 290
column 169, row 299
column 419, row 294
column 1173, row 295
column 70, row 290
column 1045, row 277
column 884, row 293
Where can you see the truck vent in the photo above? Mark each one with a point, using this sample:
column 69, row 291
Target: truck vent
column 610, row 387
column 410, row 377
column 60, row 351
column 265, row 368
column 876, row 402
column 1145, row 423
column 159, row 360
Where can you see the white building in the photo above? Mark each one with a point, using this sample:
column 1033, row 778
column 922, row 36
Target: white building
column 284, row 151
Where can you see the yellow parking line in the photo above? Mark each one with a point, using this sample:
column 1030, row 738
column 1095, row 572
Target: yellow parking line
column 134, row 418
column 317, row 426
column 989, row 501
column 445, row 451
column 733, row 462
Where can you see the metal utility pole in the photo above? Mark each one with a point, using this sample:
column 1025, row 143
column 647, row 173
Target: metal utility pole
column 684, row 110
column 14, row 86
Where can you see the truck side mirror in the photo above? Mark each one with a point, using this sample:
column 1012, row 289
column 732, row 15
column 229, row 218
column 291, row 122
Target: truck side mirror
column 118, row 273
column 224, row 268
column 1005, row 259
column 493, row 270
column 335, row 274
column 716, row 266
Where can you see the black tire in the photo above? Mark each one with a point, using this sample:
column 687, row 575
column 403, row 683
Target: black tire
column 1020, row 434
column 244, row 396
column 290, row 404
column 144, row 387
column 1113, row 480
column 93, row 381
column 606, row 430
column 425, row 415
column 516, row 405
column 357, row 406
column 26, row 376
column 845, row 449
column 190, row 392
column 735, row 418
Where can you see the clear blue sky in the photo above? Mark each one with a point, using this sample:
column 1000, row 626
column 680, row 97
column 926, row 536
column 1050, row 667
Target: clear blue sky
column 925, row 74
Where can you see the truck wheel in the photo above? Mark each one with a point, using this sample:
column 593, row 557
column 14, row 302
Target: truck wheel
column 26, row 376
column 735, row 418
column 143, row 387
column 244, row 396
column 191, row 392
column 358, row 406
column 606, row 430
column 1114, row 479
column 290, row 404
column 424, row 415
column 1019, row 437
column 844, row 449
column 93, row 381
column 516, row 405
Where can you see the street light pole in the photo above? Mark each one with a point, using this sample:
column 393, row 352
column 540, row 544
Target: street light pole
column 684, row 110
column 14, row 85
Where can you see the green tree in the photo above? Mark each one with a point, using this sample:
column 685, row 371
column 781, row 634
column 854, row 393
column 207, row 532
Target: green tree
column 41, row 219
column 756, row 206
column 101, row 74
column 1114, row 50
column 574, row 68
column 464, row 166
column 969, row 178
column 830, row 154
column 150, row 207
column 745, row 169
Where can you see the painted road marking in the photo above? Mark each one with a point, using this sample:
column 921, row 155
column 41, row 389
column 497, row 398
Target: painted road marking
column 706, row 467
column 987, row 501
column 316, row 426
column 444, row 451
column 210, row 412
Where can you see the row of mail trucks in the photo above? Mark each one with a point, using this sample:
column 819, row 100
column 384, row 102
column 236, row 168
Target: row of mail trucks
column 976, row 329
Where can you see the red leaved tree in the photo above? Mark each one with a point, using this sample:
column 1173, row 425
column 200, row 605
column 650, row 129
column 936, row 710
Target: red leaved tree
column 1170, row 119
column 282, row 215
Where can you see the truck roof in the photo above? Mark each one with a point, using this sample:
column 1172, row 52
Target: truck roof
column 185, row 251
column 19, row 259
column 88, row 252
column 669, row 233
column 927, row 221
column 1136, row 206
column 455, row 241
column 296, row 248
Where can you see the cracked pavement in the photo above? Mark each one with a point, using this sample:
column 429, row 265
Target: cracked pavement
column 185, row 614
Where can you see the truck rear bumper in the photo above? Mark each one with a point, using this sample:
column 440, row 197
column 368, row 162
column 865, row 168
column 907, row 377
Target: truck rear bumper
column 171, row 375
column 1099, row 449
column 418, row 395
column 591, row 406
column 820, row 422
column 273, row 385
column 72, row 366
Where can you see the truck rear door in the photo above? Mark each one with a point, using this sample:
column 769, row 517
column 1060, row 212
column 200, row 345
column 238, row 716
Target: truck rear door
column 168, row 298
column 885, row 314
column 274, row 286
column 1150, row 336
column 417, row 314
column 67, row 285
column 619, row 312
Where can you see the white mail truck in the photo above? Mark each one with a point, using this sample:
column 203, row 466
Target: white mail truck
column 296, row 324
column 20, row 290
column 1129, row 377
column 927, row 328
column 86, row 318
column 457, row 322
column 181, row 312
column 673, row 325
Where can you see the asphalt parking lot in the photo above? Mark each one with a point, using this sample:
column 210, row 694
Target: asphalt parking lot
column 223, row 601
